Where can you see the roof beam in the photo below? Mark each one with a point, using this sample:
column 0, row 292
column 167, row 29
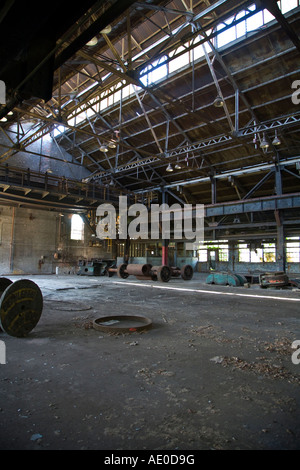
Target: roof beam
column 115, row 10
column 273, row 8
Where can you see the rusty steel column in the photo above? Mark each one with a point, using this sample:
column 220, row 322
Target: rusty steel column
column 165, row 243
column 164, row 253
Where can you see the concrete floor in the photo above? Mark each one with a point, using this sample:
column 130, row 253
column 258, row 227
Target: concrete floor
column 215, row 371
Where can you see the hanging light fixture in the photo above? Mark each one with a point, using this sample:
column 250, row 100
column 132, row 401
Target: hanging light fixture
column 219, row 102
column 178, row 166
column 169, row 168
column 112, row 144
column 103, row 148
column 92, row 42
column 276, row 140
column 264, row 143
column 106, row 30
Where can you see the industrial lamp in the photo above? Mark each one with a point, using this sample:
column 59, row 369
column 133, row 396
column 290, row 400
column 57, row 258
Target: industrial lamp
column 103, row 148
column 177, row 166
column 219, row 102
column 112, row 144
column 264, row 143
column 276, row 140
column 92, row 42
column 169, row 168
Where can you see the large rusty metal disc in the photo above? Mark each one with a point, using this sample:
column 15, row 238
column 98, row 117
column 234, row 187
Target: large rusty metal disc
column 121, row 271
column 4, row 283
column 21, row 306
column 187, row 272
column 122, row 323
column 164, row 273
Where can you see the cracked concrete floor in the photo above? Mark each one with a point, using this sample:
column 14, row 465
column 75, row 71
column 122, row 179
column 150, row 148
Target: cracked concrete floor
column 213, row 372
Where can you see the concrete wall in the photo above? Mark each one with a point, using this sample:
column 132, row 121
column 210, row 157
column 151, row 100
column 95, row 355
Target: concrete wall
column 54, row 158
column 249, row 268
column 29, row 240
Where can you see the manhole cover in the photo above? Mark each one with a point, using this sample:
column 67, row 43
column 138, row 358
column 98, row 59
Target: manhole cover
column 122, row 323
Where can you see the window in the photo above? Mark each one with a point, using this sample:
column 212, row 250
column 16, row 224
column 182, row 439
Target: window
column 220, row 246
column 179, row 61
column 137, row 250
column 287, row 5
column 251, row 253
column 253, row 23
column 59, row 130
column 202, row 255
column 227, row 36
column 293, row 250
column 77, row 227
column 269, row 252
column 244, row 253
column 155, row 72
column 159, row 69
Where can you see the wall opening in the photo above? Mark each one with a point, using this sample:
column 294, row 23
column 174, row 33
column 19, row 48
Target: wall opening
column 77, row 227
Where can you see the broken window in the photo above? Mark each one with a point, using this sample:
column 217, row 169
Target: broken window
column 293, row 250
column 77, row 227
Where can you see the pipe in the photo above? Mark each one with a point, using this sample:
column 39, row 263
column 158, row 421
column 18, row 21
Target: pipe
column 11, row 251
column 138, row 269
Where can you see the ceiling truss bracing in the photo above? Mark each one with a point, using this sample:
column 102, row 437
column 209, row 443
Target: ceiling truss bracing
column 171, row 55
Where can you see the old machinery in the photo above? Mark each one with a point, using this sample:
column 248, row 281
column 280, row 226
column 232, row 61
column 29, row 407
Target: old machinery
column 275, row 279
column 94, row 267
column 148, row 272
column 226, row 279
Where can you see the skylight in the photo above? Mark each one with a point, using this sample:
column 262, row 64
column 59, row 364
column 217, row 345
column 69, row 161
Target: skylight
column 160, row 69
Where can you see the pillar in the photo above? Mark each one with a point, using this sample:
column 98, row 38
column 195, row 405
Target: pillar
column 165, row 243
column 280, row 246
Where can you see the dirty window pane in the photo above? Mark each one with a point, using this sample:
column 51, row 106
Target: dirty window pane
column 77, row 227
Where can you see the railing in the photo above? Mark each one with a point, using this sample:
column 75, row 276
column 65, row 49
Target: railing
column 59, row 185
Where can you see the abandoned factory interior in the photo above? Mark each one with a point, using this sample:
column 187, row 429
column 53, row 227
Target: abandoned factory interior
column 150, row 226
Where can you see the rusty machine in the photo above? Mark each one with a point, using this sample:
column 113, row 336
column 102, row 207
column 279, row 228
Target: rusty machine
column 148, row 272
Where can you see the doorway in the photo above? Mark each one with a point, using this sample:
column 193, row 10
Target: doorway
column 212, row 257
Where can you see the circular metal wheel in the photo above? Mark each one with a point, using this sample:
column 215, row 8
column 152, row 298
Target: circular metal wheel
column 164, row 273
column 21, row 306
column 4, row 283
column 187, row 272
column 122, row 323
column 121, row 271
